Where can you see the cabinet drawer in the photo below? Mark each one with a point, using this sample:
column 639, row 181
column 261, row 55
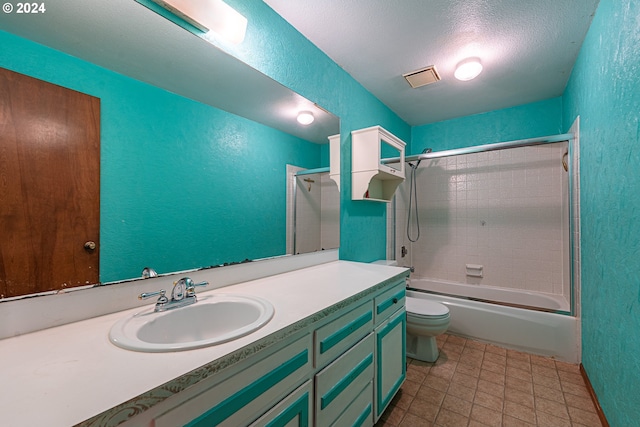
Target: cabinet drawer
column 245, row 396
column 341, row 382
column 389, row 302
column 294, row 410
column 360, row 411
column 336, row 337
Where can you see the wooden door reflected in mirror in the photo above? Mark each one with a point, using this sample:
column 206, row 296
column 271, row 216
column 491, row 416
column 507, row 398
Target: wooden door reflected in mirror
column 49, row 186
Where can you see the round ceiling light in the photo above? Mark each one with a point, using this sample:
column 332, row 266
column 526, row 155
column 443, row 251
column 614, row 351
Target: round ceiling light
column 468, row 69
column 305, row 117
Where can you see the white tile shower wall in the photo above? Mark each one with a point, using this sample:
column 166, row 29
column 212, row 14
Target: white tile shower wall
column 308, row 207
column 500, row 209
column 329, row 213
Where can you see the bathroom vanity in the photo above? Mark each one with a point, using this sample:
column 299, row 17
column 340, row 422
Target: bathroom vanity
column 333, row 354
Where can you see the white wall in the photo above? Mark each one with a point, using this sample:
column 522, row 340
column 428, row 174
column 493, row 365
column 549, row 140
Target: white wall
column 329, row 213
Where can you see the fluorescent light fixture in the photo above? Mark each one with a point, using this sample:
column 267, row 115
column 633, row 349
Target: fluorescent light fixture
column 305, row 117
column 209, row 15
column 468, row 69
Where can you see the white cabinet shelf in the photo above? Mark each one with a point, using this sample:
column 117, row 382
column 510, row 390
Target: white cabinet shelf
column 370, row 178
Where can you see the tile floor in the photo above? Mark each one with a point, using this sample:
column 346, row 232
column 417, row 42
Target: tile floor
column 475, row 384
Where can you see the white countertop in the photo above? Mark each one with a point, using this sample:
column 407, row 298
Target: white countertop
column 68, row 374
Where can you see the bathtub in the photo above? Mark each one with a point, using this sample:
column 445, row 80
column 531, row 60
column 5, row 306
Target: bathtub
column 513, row 297
column 537, row 332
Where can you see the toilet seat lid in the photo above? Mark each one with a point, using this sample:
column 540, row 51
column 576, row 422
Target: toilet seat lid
column 423, row 307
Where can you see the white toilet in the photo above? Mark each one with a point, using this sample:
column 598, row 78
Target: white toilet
column 425, row 321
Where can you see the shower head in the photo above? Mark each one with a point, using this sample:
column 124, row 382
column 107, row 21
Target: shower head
column 425, row 151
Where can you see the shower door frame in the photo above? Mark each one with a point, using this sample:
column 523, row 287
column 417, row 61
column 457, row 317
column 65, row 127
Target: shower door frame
column 566, row 137
column 297, row 174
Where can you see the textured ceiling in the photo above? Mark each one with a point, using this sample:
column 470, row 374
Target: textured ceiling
column 528, row 48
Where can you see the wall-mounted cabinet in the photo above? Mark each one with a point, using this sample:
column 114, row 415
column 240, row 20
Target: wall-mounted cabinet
column 370, row 178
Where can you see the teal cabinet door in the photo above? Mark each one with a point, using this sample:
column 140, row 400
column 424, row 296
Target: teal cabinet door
column 391, row 359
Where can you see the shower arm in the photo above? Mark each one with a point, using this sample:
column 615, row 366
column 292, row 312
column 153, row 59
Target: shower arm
column 483, row 148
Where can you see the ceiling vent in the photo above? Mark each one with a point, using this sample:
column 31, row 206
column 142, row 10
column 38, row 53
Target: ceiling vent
column 422, row 77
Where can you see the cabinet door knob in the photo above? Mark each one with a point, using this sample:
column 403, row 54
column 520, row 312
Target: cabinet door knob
column 90, row 245
column 395, row 300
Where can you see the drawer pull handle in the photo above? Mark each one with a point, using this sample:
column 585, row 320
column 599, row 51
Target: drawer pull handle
column 389, row 302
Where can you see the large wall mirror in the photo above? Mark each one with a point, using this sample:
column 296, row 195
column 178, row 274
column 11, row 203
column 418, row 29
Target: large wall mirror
column 199, row 152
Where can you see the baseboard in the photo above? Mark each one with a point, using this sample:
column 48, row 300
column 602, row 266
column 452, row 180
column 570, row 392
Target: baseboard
column 594, row 398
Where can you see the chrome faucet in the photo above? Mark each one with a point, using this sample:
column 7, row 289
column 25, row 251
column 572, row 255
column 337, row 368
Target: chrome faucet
column 182, row 294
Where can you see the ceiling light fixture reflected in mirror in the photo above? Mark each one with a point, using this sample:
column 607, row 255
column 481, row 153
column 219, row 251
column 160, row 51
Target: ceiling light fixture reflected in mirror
column 305, row 117
column 468, row 69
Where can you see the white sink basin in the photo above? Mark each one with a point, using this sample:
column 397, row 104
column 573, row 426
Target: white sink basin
column 214, row 319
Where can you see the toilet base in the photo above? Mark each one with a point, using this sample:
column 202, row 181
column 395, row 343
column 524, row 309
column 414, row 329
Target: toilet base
column 422, row 348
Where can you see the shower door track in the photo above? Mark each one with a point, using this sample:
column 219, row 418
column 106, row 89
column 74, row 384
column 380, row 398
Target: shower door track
column 483, row 148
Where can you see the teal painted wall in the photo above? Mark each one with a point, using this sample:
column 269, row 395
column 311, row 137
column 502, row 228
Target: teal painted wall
column 525, row 121
column 604, row 90
column 174, row 172
column 275, row 48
